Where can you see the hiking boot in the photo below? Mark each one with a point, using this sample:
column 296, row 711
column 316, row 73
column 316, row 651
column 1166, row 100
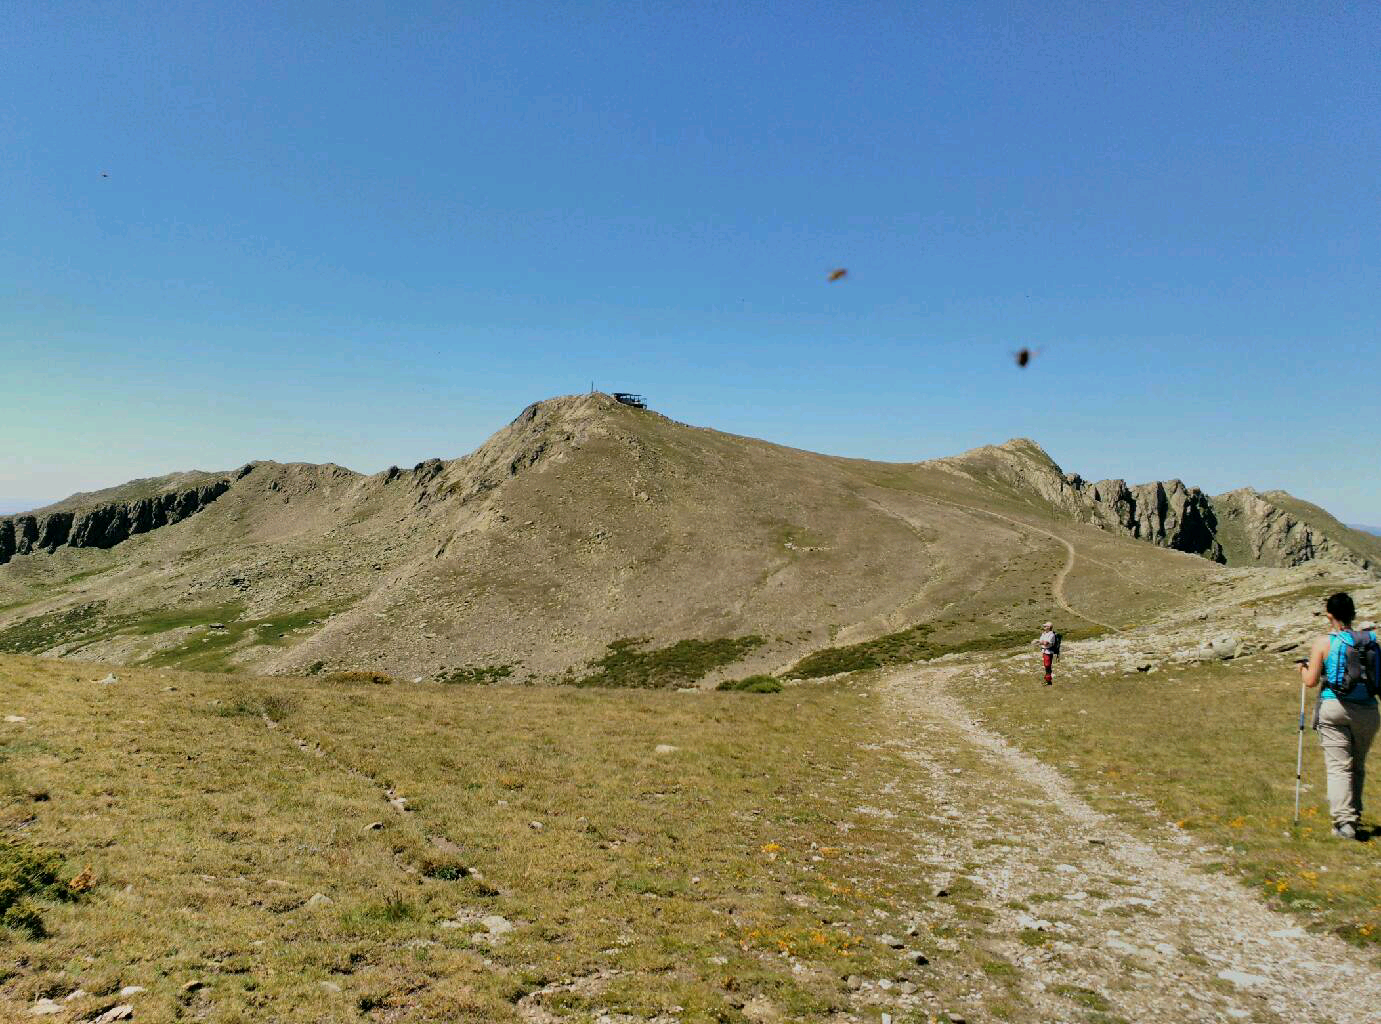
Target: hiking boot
column 1344, row 831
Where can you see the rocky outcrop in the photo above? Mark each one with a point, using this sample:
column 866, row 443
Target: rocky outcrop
column 1278, row 530
column 1165, row 513
column 103, row 526
column 1243, row 527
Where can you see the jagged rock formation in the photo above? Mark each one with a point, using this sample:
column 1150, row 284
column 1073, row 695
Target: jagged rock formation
column 1240, row 528
column 1166, row 513
column 1278, row 529
column 104, row 525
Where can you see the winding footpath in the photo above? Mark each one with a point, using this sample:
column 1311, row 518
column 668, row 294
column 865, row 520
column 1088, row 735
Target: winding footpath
column 1057, row 587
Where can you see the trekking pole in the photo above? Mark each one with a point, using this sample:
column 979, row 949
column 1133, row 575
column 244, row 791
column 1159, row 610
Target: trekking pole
column 1299, row 752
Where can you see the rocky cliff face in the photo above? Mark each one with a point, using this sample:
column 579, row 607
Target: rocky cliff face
column 1241, row 527
column 1278, row 530
column 1166, row 513
column 104, row 525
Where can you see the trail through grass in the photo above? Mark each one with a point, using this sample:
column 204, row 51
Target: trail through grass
column 1209, row 748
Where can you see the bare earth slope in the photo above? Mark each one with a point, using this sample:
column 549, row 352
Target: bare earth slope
column 580, row 523
column 584, row 522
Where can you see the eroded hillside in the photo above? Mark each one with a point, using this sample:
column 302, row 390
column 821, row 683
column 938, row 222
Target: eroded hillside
column 585, row 523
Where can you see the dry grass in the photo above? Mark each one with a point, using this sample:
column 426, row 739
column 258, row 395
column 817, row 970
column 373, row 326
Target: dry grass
column 211, row 809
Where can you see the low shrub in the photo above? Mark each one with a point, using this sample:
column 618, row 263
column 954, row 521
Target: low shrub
column 752, row 684
column 475, row 674
column 26, row 875
column 901, row 648
column 381, row 678
column 628, row 663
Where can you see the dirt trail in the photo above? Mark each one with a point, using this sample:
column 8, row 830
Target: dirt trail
column 1057, row 587
column 1111, row 922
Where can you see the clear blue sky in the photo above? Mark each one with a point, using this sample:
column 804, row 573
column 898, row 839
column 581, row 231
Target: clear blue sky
column 371, row 233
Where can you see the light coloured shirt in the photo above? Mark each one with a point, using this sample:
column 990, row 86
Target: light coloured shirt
column 1047, row 641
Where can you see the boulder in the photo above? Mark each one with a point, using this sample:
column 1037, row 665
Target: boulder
column 497, row 923
column 1226, row 646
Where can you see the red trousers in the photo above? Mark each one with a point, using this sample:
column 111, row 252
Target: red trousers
column 1046, row 660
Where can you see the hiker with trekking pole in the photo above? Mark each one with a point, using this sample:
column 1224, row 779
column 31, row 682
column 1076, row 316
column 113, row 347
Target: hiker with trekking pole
column 1049, row 643
column 1346, row 666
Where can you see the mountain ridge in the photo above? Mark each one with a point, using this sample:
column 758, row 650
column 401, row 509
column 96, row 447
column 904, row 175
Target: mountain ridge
column 1243, row 527
column 584, row 523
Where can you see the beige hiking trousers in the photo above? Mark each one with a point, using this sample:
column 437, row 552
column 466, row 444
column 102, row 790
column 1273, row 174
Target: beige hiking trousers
column 1346, row 731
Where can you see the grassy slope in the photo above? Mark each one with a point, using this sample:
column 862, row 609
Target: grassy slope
column 1210, row 747
column 745, row 868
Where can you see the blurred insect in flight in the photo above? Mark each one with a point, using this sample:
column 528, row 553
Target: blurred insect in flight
column 835, row 275
column 1026, row 355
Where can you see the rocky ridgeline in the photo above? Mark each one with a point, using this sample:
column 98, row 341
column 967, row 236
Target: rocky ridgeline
column 1242, row 527
column 1271, row 535
column 105, row 525
column 1166, row 513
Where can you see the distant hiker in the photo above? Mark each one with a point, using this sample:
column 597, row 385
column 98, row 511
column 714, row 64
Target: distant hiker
column 1049, row 643
column 1348, row 663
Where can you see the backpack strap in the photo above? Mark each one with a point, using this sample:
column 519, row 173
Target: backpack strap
column 1338, row 643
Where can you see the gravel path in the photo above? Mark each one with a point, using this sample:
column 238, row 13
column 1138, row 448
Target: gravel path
column 1112, row 922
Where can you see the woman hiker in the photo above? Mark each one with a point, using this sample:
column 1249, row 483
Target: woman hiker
column 1347, row 721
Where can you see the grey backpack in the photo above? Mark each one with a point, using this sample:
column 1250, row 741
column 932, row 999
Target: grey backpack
column 1361, row 665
